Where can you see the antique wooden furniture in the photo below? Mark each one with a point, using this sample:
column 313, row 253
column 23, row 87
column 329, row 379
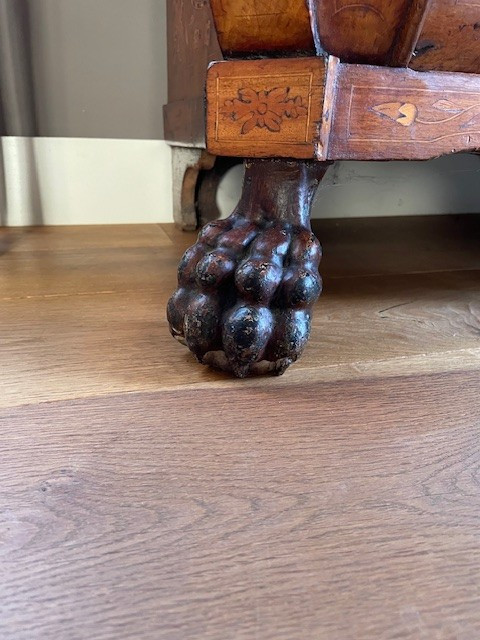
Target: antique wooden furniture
column 302, row 84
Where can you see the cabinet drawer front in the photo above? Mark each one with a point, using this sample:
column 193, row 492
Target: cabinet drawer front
column 262, row 26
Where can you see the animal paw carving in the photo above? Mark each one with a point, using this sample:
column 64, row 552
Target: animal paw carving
column 245, row 292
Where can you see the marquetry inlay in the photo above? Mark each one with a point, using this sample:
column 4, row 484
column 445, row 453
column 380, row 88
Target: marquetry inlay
column 397, row 113
column 260, row 107
column 263, row 108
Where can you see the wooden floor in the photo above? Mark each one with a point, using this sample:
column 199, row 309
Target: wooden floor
column 146, row 497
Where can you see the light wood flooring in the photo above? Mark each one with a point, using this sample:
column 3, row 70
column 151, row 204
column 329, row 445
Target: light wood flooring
column 146, row 497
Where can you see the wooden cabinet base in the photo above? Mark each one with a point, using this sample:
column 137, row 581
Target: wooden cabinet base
column 246, row 288
column 319, row 81
column 327, row 110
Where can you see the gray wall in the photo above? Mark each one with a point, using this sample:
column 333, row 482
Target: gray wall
column 99, row 67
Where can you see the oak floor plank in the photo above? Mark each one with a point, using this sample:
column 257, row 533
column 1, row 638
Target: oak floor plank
column 98, row 342
column 346, row 512
column 68, row 238
column 144, row 496
column 85, row 319
column 82, row 309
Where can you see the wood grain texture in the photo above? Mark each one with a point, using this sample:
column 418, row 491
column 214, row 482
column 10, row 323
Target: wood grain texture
column 359, row 32
column 329, row 101
column 145, row 497
column 299, row 108
column 339, row 511
column 192, row 44
column 450, row 38
column 384, row 113
column 262, row 26
column 82, row 308
column 265, row 108
column 408, row 33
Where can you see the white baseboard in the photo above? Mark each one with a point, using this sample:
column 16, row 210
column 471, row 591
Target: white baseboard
column 63, row 181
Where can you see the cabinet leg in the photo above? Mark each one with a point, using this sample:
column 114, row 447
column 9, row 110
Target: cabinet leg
column 246, row 288
column 208, row 183
column 196, row 175
column 187, row 164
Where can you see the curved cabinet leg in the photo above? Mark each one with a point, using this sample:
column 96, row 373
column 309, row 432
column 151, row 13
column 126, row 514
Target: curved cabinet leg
column 196, row 175
column 187, row 164
column 208, row 183
column 246, row 288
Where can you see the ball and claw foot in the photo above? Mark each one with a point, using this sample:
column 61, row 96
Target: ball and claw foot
column 245, row 292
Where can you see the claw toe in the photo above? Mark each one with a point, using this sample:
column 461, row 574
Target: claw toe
column 214, row 268
column 245, row 292
column 257, row 280
column 201, row 324
column 246, row 332
column 301, row 287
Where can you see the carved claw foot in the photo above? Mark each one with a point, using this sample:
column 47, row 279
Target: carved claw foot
column 246, row 288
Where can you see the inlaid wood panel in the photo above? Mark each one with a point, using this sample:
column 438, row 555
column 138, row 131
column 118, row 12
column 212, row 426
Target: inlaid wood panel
column 297, row 108
column 262, row 108
column 384, row 113
column 450, row 38
column 263, row 25
column 359, row 30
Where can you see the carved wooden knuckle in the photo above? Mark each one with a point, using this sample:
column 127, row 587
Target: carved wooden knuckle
column 245, row 292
